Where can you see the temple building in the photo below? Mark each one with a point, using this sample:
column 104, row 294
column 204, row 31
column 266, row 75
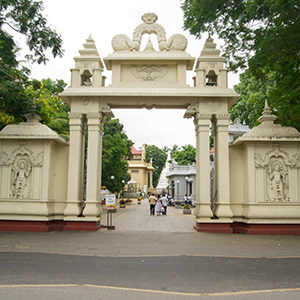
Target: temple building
column 140, row 171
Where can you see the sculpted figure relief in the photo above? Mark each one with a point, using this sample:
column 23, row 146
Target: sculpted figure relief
column 278, row 175
column 21, row 164
column 22, row 169
column 276, row 165
column 176, row 42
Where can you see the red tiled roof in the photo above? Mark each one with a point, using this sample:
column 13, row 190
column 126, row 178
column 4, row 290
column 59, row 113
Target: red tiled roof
column 212, row 150
column 134, row 151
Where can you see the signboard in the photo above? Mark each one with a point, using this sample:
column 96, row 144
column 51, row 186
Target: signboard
column 110, row 202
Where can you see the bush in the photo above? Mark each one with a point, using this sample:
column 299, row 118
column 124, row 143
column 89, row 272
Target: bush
column 186, row 206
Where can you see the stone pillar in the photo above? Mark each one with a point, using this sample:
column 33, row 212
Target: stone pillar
column 223, row 210
column 151, row 179
column 203, row 211
column 95, row 122
column 76, row 166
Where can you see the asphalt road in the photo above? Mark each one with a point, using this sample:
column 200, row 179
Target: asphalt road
column 146, row 277
column 148, row 258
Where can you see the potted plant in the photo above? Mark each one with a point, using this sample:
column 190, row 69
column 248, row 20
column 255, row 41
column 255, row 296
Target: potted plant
column 178, row 204
column 128, row 202
column 122, row 203
column 139, row 199
column 187, row 209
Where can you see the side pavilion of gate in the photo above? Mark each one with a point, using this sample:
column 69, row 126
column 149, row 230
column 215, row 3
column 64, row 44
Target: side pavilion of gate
column 247, row 198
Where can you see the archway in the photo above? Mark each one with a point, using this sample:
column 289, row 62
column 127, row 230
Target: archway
column 148, row 79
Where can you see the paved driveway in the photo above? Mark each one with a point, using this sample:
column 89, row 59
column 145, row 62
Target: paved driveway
column 137, row 218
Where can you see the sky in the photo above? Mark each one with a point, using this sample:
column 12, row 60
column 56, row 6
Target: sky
column 103, row 19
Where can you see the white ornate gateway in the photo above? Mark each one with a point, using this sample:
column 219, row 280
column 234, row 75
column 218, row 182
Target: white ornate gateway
column 148, row 79
column 259, row 184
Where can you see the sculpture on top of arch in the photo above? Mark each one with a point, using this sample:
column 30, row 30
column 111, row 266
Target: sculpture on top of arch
column 176, row 42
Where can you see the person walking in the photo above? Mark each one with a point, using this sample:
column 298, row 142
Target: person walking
column 185, row 198
column 152, row 201
column 164, row 202
column 158, row 207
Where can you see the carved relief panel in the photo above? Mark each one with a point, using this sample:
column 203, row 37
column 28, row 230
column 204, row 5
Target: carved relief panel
column 277, row 176
column 149, row 72
column 20, row 174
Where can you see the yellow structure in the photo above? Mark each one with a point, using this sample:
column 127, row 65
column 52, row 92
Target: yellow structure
column 140, row 171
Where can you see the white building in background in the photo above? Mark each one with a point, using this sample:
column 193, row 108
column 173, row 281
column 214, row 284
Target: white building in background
column 182, row 179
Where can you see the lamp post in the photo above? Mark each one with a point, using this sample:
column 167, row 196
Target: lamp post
column 123, row 185
column 112, row 177
column 186, row 179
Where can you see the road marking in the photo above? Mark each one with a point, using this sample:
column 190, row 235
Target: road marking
column 254, row 292
column 150, row 291
column 36, row 285
column 148, row 255
column 143, row 290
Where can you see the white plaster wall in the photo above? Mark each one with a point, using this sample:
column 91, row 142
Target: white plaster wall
column 249, row 182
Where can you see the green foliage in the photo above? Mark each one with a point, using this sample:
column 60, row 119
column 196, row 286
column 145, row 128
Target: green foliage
column 175, row 148
column 115, row 153
column 21, row 18
column 14, row 101
column 262, row 35
column 245, row 26
column 186, row 156
column 253, row 93
column 25, row 17
column 48, row 104
column 159, row 157
column 186, row 206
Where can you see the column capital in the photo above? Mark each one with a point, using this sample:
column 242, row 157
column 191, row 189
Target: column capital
column 94, row 115
column 76, row 121
column 75, row 115
column 225, row 117
column 202, row 122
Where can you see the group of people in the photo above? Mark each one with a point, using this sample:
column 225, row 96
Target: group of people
column 158, row 205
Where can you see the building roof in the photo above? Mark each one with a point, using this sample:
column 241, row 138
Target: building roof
column 134, row 151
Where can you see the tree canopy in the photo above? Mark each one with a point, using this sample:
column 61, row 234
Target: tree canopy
column 49, row 105
column 116, row 151
column 22, row 18
column 253, row 93
column 185, row 156
column 261, row 35
column 159, row 158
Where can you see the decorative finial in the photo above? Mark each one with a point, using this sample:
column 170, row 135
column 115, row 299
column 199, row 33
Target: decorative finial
column 149, row 46
column 149, row 18
column 267, row 118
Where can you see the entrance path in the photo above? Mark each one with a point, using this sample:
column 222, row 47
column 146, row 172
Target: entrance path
column 137, row 218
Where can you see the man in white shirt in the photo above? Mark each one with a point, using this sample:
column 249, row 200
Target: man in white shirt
column 164, row 201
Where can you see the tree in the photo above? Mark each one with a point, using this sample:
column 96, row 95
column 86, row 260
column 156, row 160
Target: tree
column 251, row 103
column 166, row 149
column 159, row 157
column 116, row 151
column 49, row 105
column 22, row 18
column 174, row 149
column 262, row 35
column 186, row 156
